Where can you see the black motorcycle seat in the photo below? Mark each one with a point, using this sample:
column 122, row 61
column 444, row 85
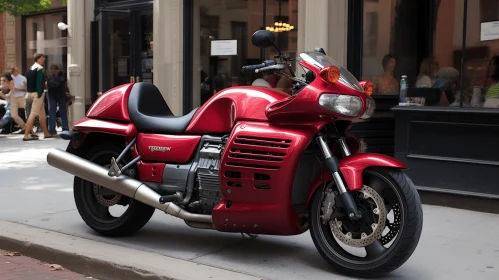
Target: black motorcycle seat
column 150, row 114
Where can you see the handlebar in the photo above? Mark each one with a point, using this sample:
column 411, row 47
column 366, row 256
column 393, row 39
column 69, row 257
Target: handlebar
column 272, row 67
column 252, row 68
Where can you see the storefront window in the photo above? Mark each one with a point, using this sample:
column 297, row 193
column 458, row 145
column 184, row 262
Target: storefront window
column 222, row 41
column 481, row 74
column 424, row 41
column 43, row 36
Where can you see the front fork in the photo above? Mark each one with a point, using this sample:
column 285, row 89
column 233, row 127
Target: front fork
column 333, row 168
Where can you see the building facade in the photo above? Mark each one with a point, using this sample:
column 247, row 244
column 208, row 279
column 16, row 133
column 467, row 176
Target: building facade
column 190, row 49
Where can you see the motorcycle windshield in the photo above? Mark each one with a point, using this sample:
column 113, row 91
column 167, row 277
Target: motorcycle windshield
column 320, row 60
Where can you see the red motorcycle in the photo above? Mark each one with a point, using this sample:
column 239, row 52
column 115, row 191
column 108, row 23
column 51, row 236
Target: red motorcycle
column 251, row 160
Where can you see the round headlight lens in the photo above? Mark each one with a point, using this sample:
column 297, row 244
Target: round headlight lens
column 343, row 104
column 371, row 107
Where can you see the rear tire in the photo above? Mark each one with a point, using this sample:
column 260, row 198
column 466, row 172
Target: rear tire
column 93, row 212
column 391, row 258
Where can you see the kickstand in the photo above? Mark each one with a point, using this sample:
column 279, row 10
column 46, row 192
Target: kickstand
column 249, row 235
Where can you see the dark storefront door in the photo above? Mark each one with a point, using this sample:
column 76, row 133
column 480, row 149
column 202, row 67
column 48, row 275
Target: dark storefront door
column 125, row 48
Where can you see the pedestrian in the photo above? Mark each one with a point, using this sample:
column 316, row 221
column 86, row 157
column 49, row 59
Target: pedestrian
column 56, row 89
column 5, row 93
column 17, row 100
column 35, row 82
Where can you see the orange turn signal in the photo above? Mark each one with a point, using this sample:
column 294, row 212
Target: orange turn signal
column 330, row 74
column 368, row 87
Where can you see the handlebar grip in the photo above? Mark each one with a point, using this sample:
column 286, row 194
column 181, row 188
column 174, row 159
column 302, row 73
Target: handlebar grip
column 252, row 68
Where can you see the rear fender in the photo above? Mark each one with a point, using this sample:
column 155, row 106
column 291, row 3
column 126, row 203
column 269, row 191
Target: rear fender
column 352, row 168
column 87, row 131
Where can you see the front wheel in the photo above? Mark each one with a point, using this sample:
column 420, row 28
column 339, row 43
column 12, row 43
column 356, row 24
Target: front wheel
column 385, row 237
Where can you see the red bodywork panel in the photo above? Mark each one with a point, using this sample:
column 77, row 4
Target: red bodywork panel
column 86, row 126
column 256, row 176
column 176, row 149
column 151, row 172
column 112, row 105
column 352, row 168
column 223, row 110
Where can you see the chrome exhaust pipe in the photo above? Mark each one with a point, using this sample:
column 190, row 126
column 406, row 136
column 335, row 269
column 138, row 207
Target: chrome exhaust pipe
column 123, row 184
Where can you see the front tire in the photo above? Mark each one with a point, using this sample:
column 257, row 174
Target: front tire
column 404, row 232
column 94, row 202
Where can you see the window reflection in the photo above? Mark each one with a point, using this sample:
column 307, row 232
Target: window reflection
column 237, row 20
column 400, row 40
column 43, row 36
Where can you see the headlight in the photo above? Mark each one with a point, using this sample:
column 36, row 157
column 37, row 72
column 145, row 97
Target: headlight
column 343, row 104
column 371, row 107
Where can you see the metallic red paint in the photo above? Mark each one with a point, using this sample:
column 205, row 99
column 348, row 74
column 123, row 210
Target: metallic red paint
column 223, row 110
column 151, row 172
column 303, row 108
column 352, row 168
column 86, row 126
column 112, row 105
column 178, row 149
column 264, row 158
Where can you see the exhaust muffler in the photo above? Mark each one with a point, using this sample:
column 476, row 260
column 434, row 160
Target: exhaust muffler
column 123, row 184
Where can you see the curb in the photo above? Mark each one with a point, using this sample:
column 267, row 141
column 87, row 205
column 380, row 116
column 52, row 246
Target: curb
column 104, row 261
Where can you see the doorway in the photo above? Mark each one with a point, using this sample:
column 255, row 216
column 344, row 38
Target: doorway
column 125, row 48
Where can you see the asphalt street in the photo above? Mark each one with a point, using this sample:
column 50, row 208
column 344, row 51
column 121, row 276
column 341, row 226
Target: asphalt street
column 455, row 244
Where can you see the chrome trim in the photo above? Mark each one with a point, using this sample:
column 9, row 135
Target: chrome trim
column 339, row 183
column 344, row 147
column 324, row 147
column 124, row 185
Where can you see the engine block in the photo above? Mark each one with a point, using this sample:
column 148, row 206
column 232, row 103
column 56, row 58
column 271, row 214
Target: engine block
column 207, row 175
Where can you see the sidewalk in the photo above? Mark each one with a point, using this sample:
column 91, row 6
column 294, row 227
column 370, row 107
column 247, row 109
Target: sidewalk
column 14, row 266
column 99, row 260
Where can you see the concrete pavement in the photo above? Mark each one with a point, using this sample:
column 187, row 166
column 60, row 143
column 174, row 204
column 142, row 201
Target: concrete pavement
column 455, row 244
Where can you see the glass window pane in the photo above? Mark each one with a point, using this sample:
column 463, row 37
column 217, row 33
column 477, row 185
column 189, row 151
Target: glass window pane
column 216, row 20
column 419, row 39
column 43, row 36
column 481, row 74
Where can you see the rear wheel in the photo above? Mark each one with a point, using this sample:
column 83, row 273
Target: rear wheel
column 383, row 239
column 107, row 212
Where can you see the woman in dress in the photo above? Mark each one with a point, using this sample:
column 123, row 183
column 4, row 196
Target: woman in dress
column 386, row 83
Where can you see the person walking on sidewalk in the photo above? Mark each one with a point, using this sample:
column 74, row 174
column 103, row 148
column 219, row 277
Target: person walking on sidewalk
column 56, row 88
column 5, row 93
column 36, row 81
column 17, row 100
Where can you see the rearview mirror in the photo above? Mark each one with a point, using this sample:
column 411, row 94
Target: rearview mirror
column 263, row 39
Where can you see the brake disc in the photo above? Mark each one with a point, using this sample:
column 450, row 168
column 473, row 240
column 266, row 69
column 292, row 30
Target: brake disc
column 106, row 197
column 377, row 227
column 394, row 227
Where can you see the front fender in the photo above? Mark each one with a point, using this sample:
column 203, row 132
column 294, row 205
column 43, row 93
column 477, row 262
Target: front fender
column 352, row 168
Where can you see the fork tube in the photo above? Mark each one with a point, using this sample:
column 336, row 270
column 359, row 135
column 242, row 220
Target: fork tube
column 344, row 147
column 333, row 168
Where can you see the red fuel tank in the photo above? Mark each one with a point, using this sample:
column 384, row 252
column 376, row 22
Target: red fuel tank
column 221, row 111
column 167, row 148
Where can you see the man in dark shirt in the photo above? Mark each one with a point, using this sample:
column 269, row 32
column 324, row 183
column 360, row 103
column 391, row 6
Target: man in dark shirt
column 56, row 90
column 35, row 83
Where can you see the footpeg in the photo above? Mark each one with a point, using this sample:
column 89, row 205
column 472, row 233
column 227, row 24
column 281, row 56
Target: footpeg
column 170, row 198
column 114, row 170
